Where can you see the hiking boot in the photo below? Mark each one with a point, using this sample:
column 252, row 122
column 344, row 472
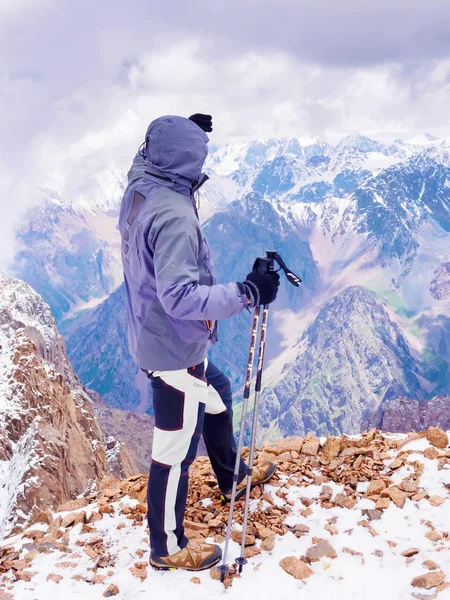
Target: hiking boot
column 196, row 556
column 261, row 474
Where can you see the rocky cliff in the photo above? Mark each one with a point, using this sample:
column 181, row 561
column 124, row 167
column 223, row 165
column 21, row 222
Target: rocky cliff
column 52, row 447
column 440, row 284
column 402, row 414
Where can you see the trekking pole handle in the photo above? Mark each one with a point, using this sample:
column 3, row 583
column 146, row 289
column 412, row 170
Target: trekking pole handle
column 274, row 257
column 266, row 264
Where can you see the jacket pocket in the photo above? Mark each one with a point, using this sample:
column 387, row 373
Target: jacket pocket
column 191, row 332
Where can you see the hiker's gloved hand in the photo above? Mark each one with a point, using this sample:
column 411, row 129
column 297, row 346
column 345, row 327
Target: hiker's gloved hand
column 203, row 121
column 263, row 287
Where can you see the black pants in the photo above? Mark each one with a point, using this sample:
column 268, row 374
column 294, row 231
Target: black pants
column 186, row 403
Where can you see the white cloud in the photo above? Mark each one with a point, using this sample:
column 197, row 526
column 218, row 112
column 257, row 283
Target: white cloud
column 14, row 8
column 98, row 124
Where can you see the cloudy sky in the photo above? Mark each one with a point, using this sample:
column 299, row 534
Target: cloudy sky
column 79, row 81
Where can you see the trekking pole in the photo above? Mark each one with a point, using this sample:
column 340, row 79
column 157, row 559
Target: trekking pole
column 241, row 561
column 224, row 568
column 265, row 265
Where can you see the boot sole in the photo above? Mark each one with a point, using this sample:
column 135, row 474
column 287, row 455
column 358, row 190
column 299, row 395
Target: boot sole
column 241, row 492
column 163, row 567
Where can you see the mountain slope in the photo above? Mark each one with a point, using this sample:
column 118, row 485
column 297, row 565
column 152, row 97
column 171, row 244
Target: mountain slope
column 65, row 259
column 97, row 346
column 350, row 360
column 236, row 237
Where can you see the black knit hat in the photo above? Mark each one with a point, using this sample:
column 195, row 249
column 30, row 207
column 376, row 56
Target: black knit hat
column 203, row 121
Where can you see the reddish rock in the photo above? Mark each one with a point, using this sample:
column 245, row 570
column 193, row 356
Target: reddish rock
column 17, row 565
column 331, row 448
column 40, row 516
column 285, row 457
column 214, row 573
column 352, row 552
column 105, row 509
column 110, row 482
column 436, row 500
column 73, row 505
column 321, row 549
column 311, row 445
column 369, row 527
column 300, row 530
column 111, row 590
column 376, row 487
column 33, row 534
column 433, row 536
column 396, row 464
column 382, row 503
column 66, row 565
column 431, row 453
column 409, row 486
column 344, row 501
column 291, row 444
column 372, row 514
column 140, row 573
column 196, row 580
column 397, row 496
column 326, row 492
column 251, row 551
column 73, row 519
column 91, row 552
column 54, row 577
column 332, row 529
column 429, row 580
column 410, row 552
column 437, row 437
column 237, row 537
column 295, row 567
column 111, row 493
column 419, row 496
column 431, row 565
column 263, row 532
column 269, row 543
column 25, row 576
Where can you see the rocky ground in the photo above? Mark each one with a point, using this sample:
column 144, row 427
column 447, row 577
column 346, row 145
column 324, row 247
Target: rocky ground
column 348, row 517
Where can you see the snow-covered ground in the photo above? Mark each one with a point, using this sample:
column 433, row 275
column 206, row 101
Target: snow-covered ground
column 370, row 560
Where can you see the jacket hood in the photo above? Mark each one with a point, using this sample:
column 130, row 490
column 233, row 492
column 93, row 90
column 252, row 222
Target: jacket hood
column 177, row 147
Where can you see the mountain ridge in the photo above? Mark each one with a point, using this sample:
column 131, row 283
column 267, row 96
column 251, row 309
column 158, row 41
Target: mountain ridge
column 359, row 212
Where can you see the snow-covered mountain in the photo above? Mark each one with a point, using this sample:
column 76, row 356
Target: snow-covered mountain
column 359, row 213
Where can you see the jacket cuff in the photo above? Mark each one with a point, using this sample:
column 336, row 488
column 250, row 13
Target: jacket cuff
column 250, row 291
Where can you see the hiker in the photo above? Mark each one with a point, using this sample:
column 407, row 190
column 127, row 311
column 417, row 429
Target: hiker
column 173, row 308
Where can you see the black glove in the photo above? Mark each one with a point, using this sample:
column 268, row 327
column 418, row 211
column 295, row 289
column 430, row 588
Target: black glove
column 203, row 121
column 263, row 286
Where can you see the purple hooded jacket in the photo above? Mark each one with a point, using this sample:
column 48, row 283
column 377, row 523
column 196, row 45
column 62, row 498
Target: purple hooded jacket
column 173, row 300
